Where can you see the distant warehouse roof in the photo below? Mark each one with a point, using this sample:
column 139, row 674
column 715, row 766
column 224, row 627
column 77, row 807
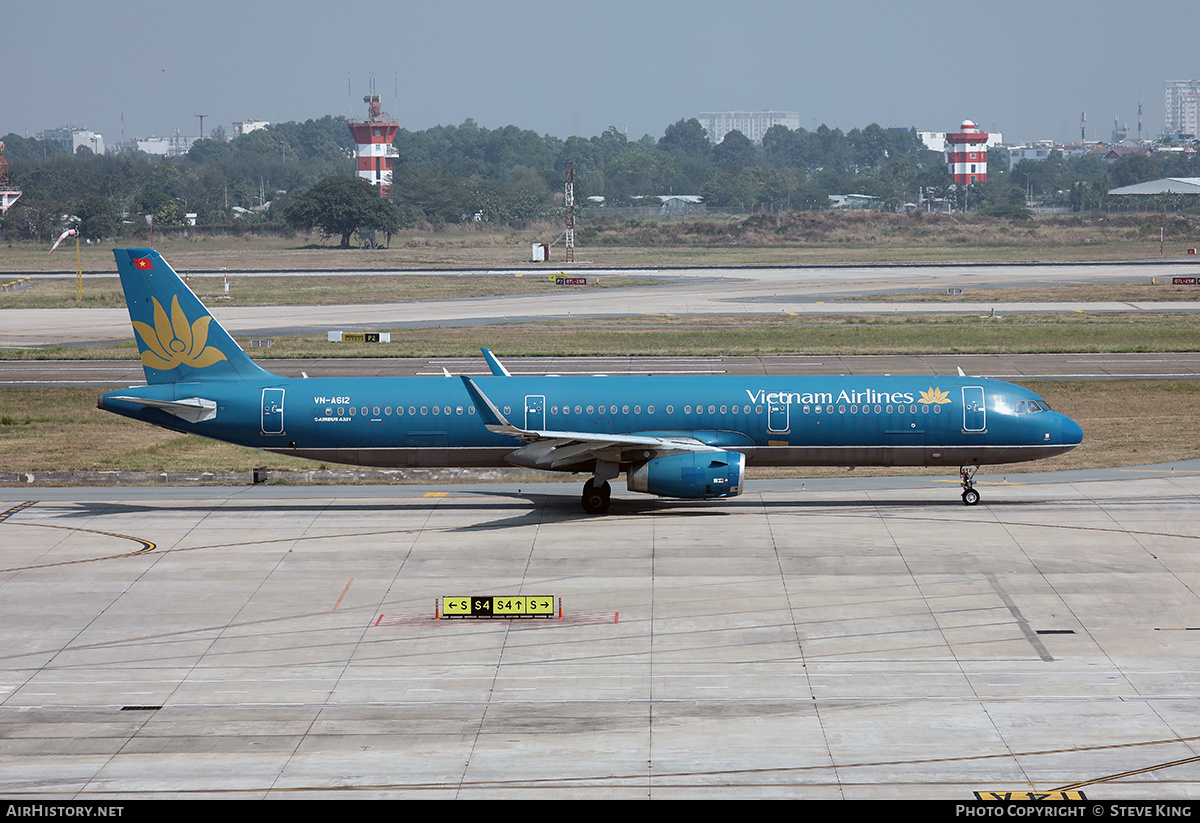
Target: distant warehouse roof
column 1168, row 185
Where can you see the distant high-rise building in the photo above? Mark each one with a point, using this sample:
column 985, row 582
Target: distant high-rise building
column 753, row 124
column 247, row 126
column 168, row 145
column 1182, row 99
column 72, row 138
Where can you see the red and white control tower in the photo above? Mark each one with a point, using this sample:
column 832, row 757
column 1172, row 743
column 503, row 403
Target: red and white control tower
column 8, row 195
column 966, row 152
column 374, row 151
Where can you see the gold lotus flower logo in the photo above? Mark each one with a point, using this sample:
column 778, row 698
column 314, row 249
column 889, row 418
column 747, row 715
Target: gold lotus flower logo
column 935, row 396
column 172, row 341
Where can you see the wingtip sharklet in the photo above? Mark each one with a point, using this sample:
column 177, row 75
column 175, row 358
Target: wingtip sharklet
column 494, row 364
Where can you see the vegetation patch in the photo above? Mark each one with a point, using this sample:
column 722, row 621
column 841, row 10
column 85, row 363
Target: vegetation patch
column 776, row 239
column 734, row 336
column 310, row 290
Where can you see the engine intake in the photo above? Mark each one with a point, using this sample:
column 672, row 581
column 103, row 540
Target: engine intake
column 692, row 475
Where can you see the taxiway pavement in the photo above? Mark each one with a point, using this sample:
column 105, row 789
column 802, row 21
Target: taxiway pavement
column 742, row 291
column 838, row 638
column 848, row 638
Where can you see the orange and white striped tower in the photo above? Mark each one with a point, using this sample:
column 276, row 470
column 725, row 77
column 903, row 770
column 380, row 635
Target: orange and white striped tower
column 374, row 151
column 966, row 152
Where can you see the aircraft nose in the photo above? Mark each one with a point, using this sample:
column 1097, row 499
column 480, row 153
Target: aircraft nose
column 1072, row 434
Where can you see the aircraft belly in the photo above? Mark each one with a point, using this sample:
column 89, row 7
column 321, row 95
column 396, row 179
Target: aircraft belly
column 897, row 455
column 408, row 457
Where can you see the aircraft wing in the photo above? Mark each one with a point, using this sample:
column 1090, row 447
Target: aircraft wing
column 560, row 450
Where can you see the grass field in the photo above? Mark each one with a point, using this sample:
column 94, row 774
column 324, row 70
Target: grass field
column 1161, row 290
column 105, row 292
column 1124, row 423
column 693, row 336
column 804, row 238
column 749, row 335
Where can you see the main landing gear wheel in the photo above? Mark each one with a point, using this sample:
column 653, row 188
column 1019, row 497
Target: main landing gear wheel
column 596, row 497
column 969, row 496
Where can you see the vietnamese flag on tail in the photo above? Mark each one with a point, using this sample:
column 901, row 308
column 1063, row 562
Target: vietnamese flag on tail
column 142, row 263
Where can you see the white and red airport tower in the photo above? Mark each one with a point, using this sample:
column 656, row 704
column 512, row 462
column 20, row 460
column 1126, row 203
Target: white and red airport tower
column 374, row 151
column 966, row 152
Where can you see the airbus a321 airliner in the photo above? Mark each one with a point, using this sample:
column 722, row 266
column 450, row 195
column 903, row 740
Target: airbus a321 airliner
column 676, row 436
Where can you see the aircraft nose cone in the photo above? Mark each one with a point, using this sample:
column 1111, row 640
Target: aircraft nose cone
column 1072, row 434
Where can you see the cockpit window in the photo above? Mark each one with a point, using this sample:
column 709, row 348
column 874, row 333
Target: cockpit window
column 1025, row 406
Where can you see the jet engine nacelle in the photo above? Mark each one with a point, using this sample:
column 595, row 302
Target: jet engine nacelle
column 692, row 475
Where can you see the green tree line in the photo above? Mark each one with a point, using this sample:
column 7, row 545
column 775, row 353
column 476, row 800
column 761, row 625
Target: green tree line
column 452, row 174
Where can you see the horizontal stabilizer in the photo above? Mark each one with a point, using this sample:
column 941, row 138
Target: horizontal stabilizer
column 191, row 409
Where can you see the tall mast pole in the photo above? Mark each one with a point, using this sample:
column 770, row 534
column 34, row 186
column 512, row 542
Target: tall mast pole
column 569, row 201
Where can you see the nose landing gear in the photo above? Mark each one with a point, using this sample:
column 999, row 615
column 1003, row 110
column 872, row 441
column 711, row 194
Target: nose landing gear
column 969, row 496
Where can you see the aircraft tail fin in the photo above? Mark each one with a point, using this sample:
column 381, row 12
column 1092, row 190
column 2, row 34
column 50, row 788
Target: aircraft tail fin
column 179, row 340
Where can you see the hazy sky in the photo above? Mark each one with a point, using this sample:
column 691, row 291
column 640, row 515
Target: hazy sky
column 1027, row 69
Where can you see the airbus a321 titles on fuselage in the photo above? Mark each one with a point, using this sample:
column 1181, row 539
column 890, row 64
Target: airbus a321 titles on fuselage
column 673, row 436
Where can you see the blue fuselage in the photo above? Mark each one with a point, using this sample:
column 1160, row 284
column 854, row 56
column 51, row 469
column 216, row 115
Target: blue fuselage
column 781, row 421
